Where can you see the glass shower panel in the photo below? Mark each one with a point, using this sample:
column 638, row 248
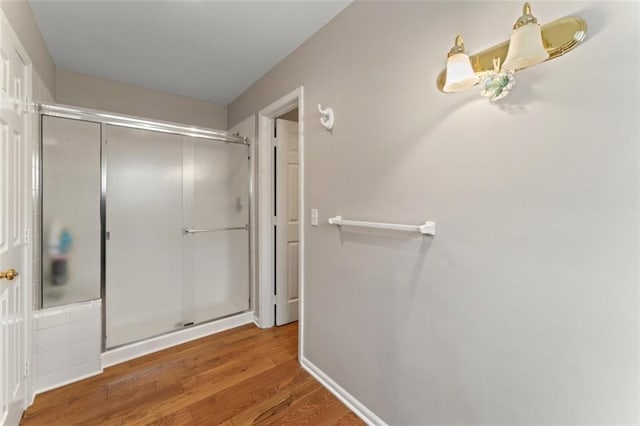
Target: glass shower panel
column 220, row 217
column 144, row 223
column 70, row 211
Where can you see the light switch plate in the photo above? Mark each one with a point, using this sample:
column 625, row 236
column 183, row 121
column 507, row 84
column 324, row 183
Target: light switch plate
column 314, row 217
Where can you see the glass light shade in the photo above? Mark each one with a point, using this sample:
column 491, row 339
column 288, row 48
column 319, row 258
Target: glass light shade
column 460, row 74
column 525, row 48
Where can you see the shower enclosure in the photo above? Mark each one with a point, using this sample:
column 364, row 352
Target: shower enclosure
column 151, row 217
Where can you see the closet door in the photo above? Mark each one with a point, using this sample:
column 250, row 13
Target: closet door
column 144, row 223
column 216, row 219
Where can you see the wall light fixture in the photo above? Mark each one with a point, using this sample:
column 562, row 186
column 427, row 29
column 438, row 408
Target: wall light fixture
column 530, row 44
column 460, row 75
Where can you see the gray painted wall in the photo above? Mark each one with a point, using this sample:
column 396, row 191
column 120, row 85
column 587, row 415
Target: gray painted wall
column 524, row 307
column 98, row 93
column 24, row 24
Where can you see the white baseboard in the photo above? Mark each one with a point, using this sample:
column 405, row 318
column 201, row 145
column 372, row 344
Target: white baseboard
column 349, row 400
column 256, row 321
column 155, row 344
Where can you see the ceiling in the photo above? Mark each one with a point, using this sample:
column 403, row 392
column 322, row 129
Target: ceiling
column 209, row 50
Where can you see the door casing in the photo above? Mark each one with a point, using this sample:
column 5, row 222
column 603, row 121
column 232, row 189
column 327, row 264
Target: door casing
column 265, row 198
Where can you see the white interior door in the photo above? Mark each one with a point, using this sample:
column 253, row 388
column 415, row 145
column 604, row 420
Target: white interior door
column 287, row 223
column 14, row 191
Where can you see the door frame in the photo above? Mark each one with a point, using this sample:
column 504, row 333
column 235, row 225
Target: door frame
column 250, row 124
column 266, row 247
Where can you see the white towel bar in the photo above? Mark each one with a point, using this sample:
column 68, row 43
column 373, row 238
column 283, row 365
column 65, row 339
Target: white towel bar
column 428, row 228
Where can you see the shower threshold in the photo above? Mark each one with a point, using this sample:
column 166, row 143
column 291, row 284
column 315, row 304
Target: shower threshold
column 129, row 351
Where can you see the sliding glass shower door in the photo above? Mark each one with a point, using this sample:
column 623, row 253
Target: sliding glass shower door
column 177, row 219
column 216, row 242
column 144, row 242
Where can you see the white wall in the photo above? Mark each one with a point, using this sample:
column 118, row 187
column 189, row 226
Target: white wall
column 524, row 307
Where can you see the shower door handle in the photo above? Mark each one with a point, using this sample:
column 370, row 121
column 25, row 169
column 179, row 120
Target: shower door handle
column 197, row 231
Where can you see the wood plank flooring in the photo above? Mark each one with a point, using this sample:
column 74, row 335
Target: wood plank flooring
column 238, row 377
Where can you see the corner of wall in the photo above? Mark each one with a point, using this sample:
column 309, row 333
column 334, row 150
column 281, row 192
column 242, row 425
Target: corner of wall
column 342, row 394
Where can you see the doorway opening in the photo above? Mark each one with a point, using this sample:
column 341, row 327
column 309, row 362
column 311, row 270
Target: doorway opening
column 281, row 212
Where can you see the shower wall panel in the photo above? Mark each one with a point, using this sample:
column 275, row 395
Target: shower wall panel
column 70, row 211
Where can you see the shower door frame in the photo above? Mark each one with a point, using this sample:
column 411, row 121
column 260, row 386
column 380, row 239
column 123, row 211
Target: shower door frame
column 105, row 118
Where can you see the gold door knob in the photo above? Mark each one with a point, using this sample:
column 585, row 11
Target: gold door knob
column 9, row 274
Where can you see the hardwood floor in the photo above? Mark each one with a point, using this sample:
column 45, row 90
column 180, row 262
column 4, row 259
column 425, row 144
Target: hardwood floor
column 238, row 377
